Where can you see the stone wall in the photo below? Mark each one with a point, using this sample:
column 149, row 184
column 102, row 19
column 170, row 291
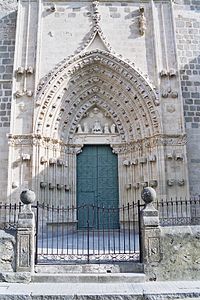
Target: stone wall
column 187, row 14
column 7, row 45
column 180, row 257
column 7, row 252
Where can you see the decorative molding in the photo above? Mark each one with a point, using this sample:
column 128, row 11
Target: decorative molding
column 171, row 182
column 114, row 79
column 81, row 60
column 20, row 71
column 167, row 93
column 96, row 29
column 157, row 140
column 165, row 73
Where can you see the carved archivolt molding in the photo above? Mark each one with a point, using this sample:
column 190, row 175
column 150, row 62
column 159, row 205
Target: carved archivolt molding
column 114, row 85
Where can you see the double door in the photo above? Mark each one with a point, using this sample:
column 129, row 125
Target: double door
column 97, row 188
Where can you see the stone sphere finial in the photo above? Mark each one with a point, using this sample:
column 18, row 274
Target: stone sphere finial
column 148, row 195
column 27, row 196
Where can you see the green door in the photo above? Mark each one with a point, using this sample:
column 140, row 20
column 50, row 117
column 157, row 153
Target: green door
column 97, row 188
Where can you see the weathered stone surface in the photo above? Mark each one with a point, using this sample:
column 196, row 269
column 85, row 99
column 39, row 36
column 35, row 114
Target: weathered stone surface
column 188, row 41
column 7, row 251
column 148, row 195
column 8, row 17
column 127, row 42
column 122, row 92
column 8, row 5
column 15, row 277
column 26, row 239
column 180, row 255
column 27, row 196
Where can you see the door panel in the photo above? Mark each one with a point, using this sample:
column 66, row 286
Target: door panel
column 97, row 186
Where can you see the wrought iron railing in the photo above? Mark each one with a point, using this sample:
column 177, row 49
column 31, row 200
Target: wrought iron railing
column 171, row 212
column 88, row 233
column 9, row 215
column 179, row 212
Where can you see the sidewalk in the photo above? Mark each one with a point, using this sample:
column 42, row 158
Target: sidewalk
column 151, row 290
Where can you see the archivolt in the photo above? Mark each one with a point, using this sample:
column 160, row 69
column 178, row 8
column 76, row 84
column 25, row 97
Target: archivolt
column 97, row 78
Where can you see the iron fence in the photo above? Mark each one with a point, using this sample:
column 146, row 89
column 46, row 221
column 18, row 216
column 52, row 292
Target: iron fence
column 92, row 233
column 171, row 212
column 88, row 233
column 179, row 212
column 9, row 215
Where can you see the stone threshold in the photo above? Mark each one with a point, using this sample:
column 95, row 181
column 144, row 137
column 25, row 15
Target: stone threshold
column 93, row 268
column 89, row 278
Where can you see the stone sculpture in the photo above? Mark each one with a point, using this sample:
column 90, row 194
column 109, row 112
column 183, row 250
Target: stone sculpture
column 113, row 128
column 79, row 129
column 106, row 128
column 142, row 21
column 97, row 127
column 86, row 129
column 27, row 196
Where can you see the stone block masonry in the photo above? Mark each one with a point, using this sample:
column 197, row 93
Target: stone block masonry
column 8, row 15
column 7, row 47
column 65, row 31
column 188, row 47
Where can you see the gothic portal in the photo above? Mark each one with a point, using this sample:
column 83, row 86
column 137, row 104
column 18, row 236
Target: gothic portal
column 96, row 90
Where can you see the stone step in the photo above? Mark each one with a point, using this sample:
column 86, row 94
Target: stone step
column 125, row 267
column 89, row 278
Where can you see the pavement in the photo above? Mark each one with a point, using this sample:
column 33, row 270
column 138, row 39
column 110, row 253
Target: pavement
column 146, row 290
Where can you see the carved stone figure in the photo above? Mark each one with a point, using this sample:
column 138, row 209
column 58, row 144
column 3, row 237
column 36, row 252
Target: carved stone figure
column 181, row 182
column 86, row 129
column 20, row 70
column 29, row 93
column 29, row 70
column 95, row 110
column 163, row 73
column 106, row 128
column 142, row 21
column 19, row 94
column 172, row 72
column 113, row 128
column 97, row 127
column 170, row 182
column 79, row 129
column 174, row 94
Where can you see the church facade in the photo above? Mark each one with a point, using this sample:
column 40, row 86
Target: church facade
column 99, row 100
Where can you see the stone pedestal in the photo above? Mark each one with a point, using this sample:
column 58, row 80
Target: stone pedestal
column 26, row 234
column 25, row 241
column 150, row 234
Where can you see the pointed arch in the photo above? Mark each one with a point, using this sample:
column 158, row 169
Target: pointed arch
column 102, row 77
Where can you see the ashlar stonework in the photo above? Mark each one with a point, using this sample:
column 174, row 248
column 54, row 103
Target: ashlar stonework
column 72, row 66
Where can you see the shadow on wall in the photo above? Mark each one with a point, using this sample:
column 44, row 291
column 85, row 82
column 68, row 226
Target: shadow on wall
column 190, row 86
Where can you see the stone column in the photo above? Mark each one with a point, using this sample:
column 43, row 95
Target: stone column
column 26, row 234
column 150, row 234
